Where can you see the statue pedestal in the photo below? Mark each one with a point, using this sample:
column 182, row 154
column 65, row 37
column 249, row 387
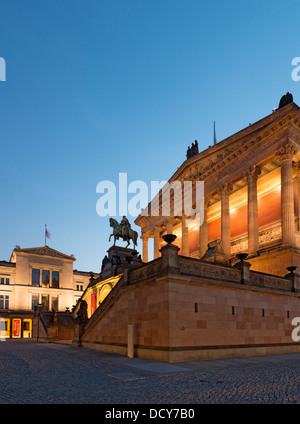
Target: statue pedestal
column 119, row 256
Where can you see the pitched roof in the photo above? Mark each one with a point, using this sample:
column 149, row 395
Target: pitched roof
column 44, row 251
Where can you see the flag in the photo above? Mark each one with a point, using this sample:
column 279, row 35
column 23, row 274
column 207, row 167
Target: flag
column 47, row 234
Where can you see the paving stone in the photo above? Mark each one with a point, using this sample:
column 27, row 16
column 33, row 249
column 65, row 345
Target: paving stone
column 51, row 373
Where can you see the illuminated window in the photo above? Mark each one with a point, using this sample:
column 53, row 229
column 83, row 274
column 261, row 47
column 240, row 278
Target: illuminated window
column 4, row 302
column 54, row 303
column 4, row 328
column 45, row 302
column 27, row 328
column 35, row 281
column 34, row 301
column 55, row 279
column 45, row 277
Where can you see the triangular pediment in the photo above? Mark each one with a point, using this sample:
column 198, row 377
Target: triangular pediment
column 278, row 126
column 230, row 158
column 43, row 251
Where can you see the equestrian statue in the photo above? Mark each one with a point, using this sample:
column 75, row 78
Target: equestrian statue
column 123, row 231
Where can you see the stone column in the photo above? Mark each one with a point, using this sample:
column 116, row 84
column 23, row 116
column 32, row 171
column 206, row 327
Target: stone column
column 184, row 236
column 156, row 234
column 203, row 237
column 298, row 193
column 145, row 238
column 253, row 232
column 169, row 226
column 285, row 154
column 224, row 191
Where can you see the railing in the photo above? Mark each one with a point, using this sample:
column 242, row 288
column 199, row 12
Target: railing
column 268, row 235
column 274, row 282
column 151, row 269
column 208, row 270
column 43, row 320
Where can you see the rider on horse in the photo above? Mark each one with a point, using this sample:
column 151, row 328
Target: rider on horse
column 125, row 228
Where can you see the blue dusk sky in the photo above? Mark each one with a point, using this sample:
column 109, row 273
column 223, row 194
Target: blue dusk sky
column 98, row 87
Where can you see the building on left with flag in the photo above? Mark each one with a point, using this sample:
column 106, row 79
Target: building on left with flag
column 37, row 278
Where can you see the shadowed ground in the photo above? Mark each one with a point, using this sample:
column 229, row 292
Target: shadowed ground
column 36, row 373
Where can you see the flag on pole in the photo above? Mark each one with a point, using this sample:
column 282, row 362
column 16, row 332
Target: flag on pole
column 47, row 234
column 215, row 137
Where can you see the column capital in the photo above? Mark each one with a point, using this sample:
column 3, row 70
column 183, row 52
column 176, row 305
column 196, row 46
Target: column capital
column 297, row 167
column 169, row 220
column 207, row 199
column 225, row 189
column 253, row 172
column 145, row 236
column 156, row 231
column 286, row 152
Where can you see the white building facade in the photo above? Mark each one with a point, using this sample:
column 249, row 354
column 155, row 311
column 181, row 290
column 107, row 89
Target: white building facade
column 36, row 276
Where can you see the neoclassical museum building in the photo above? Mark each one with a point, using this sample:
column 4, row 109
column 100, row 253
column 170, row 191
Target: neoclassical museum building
column 33, row 277
column 228, row 287
column 252, row 197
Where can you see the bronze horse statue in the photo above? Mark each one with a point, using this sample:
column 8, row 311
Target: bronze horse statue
column 118, row 232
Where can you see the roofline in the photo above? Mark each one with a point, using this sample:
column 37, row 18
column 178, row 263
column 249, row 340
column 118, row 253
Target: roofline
column 75, row 271
column 239, row 134
column 265, row 121
column 6, row 263
column 27, row 250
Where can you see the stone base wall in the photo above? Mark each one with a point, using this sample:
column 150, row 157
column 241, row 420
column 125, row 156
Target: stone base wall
column 146, row 307
column 276, row 262
column 189, row 318
column 196, row 354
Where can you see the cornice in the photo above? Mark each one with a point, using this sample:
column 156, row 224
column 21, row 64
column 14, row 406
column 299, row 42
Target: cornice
column 207, row 164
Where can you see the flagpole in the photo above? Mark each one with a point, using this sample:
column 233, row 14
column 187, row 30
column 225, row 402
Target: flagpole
column 215, row 138
column 45, row 234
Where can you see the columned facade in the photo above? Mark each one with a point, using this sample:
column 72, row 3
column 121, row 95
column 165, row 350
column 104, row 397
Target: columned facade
column 252, row 197
column 252, row 204
column 156, row 235
column 203, row 236
column 184, row 236
column 298, row 193
column 169, row 225
column 145, row 238
column 224, row 192
column 285, row 154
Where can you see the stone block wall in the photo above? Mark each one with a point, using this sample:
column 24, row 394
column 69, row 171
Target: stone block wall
column 194, row 310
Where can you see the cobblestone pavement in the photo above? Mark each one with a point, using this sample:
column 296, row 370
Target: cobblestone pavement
column 38, row 373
